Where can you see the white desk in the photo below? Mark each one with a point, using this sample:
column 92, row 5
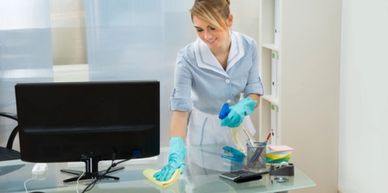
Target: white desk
column 202, row 176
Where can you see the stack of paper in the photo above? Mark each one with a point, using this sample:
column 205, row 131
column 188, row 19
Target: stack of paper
column 278, row 153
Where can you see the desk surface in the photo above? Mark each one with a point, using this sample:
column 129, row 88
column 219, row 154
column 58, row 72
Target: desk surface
column 202, row 175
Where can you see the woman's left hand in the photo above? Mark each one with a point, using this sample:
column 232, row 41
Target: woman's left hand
column 238, row 112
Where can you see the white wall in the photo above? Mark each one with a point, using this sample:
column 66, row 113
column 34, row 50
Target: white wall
column 310, row 54
column 363, row 144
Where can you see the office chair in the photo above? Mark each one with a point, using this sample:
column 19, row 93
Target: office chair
column 7, row 153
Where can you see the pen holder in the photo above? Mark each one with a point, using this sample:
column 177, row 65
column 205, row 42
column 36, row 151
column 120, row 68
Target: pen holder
column 256, row 156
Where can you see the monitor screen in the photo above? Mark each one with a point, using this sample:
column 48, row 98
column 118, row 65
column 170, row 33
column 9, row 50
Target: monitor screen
column 64, row 122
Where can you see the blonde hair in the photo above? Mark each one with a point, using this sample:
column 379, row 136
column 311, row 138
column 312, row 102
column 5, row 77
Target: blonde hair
column 214, row 12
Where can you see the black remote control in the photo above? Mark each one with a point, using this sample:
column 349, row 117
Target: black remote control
column 240, row 176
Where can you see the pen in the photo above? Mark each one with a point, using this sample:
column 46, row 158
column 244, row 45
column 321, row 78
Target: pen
column 258, row 151
column 268, row 137
column 251, row 141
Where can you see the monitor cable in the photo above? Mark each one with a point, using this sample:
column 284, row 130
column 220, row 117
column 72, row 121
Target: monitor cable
column 83, row 173
column 94, row 182
column 39, row 172
column 25, row 183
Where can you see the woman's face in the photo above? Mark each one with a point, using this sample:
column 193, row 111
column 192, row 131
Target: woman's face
column 214, row 38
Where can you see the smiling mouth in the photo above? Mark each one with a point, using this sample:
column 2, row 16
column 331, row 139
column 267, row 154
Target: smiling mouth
column 211, row 42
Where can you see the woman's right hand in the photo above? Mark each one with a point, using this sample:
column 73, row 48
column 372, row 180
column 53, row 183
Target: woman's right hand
column 176, row 160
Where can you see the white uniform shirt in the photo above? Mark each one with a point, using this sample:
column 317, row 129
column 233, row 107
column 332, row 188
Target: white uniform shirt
column 202, row 83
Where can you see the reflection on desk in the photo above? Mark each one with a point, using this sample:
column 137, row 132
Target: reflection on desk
column 204, row 165
column 10, row 168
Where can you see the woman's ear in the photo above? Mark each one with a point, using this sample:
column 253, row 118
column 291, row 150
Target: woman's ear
column 229, row 21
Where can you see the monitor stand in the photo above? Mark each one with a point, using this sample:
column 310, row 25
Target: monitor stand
column 91, row 171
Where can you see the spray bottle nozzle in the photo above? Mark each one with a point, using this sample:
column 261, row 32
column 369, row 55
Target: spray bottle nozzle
column 225, row 109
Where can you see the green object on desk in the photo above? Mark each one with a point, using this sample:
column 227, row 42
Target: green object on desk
column 278, row 158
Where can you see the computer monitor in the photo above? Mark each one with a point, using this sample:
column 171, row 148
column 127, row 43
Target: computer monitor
column 88, row 121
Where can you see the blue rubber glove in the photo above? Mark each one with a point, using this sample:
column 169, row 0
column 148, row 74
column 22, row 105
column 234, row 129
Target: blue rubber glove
column 238, row 112
column 176, row 159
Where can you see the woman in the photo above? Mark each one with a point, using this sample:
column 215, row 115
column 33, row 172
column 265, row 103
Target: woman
column 218, row 67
